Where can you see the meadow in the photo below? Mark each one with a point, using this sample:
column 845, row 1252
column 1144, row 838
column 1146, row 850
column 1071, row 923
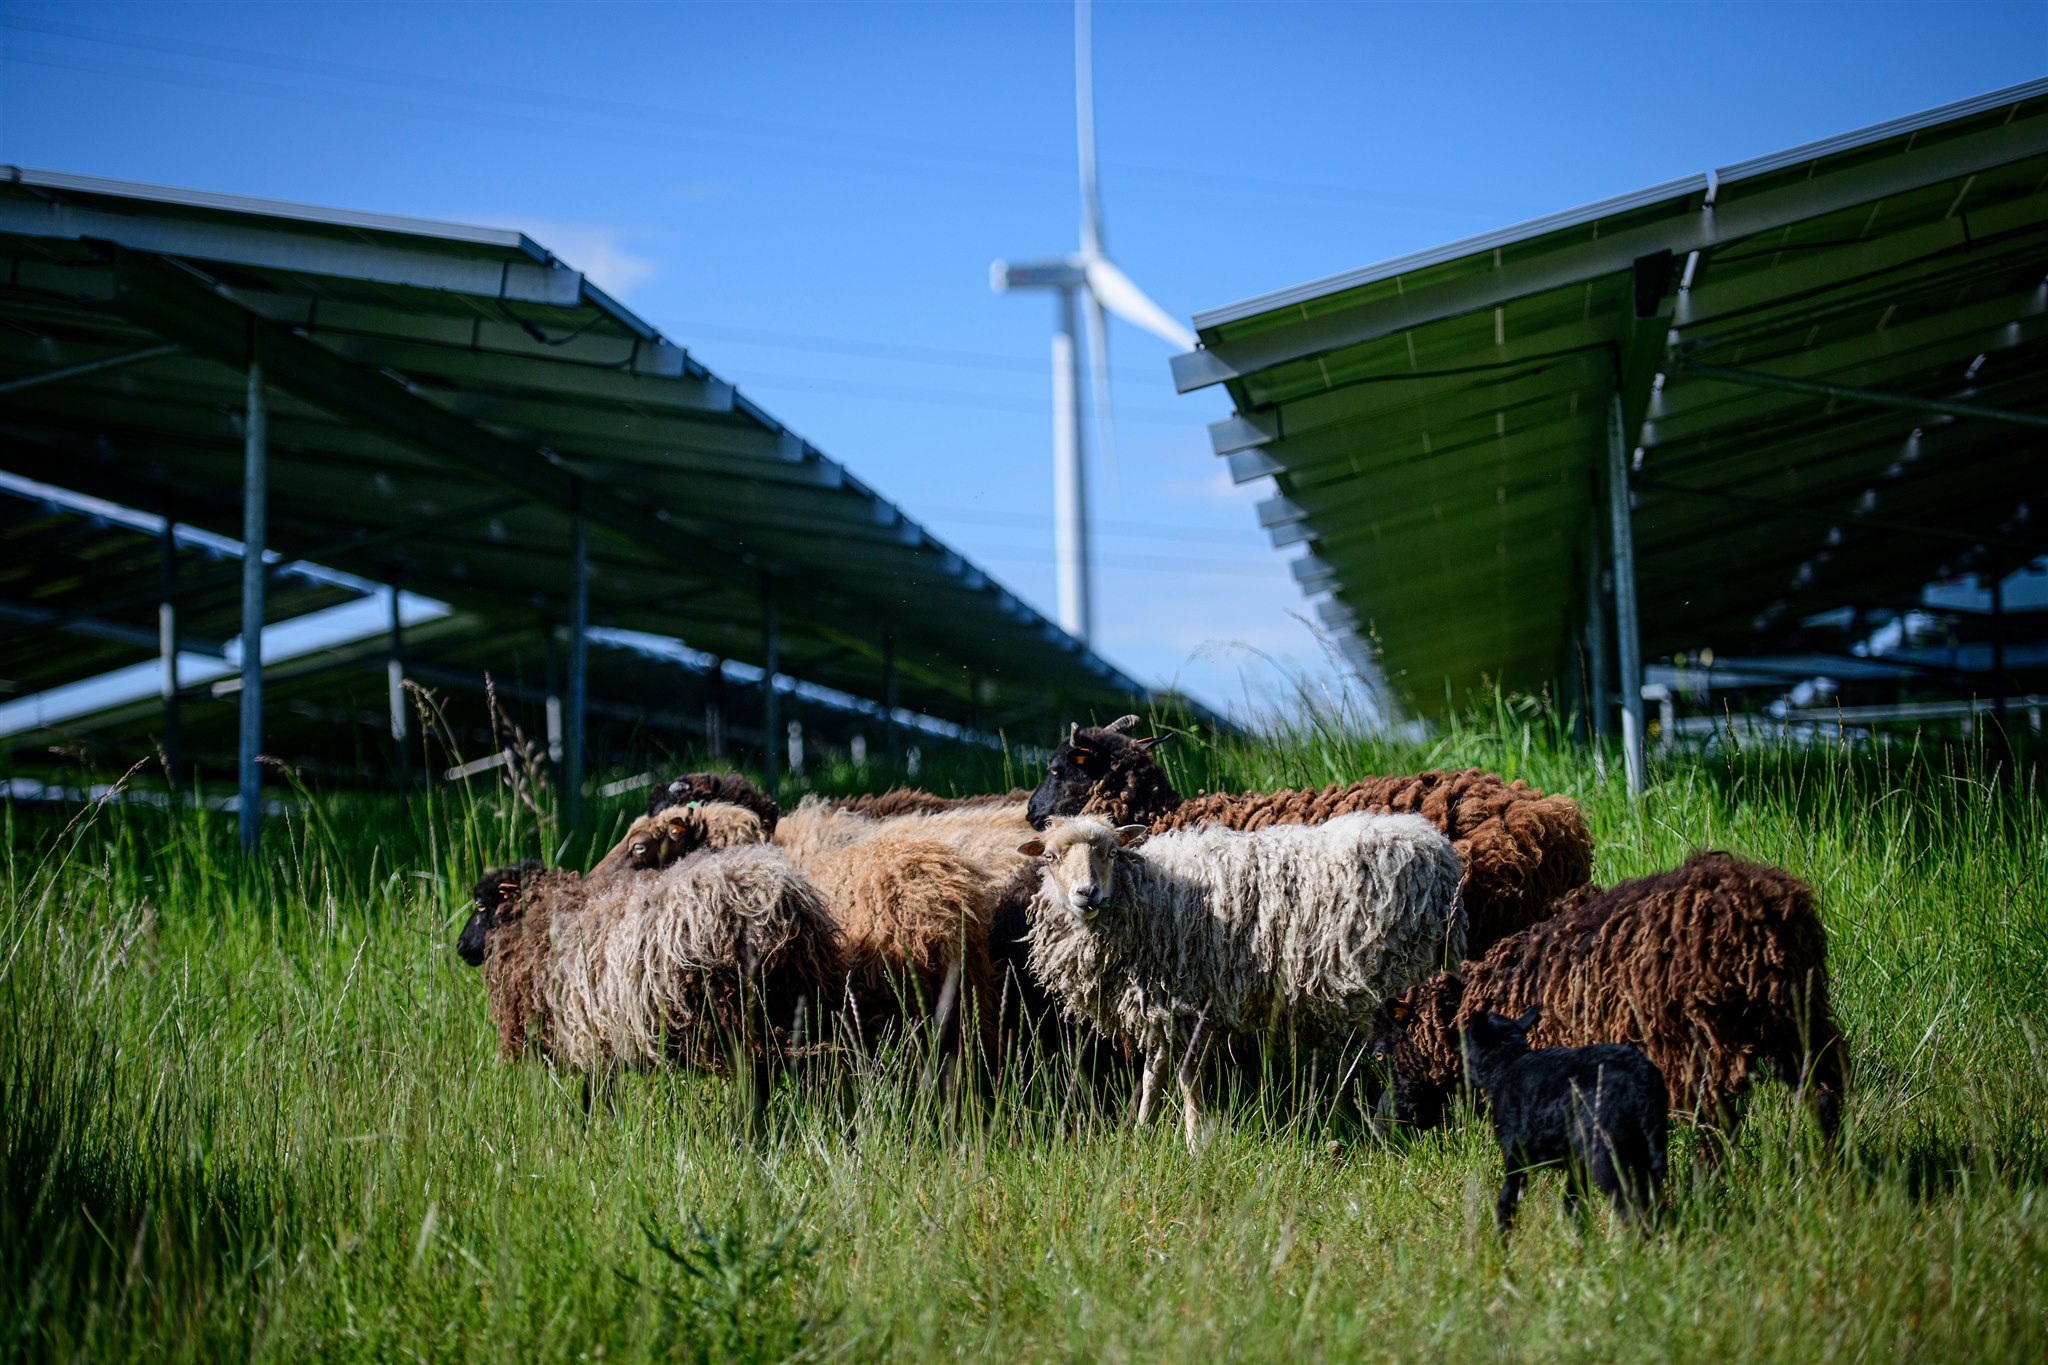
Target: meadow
column 254, row 1109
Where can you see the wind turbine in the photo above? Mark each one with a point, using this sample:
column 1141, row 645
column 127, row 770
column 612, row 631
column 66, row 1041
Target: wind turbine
column 1087, row 275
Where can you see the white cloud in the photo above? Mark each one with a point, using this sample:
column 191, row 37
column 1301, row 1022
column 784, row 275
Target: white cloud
column 599, row 250
column 596, row 249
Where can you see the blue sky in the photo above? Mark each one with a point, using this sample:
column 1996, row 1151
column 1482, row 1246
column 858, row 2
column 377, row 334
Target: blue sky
column 809, row 196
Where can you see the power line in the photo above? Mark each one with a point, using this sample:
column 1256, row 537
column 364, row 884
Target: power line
column 1201, row 184
column 883, row 350
column 940, row 398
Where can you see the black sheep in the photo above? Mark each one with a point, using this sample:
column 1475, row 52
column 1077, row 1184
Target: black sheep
column 1599, row 1111
column 494, row 890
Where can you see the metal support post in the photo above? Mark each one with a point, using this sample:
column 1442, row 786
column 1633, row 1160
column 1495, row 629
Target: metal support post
column 1998, row 679
column 714, row 710
column 551, row 655
column 771, row 711
column 573, row 754
column 1627, row 639
column 167, row 652
column 892, row 738
column 1599, row 684
column 394, row 670
column 255, row 495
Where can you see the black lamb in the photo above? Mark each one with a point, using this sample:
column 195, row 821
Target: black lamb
column 1599, row 1111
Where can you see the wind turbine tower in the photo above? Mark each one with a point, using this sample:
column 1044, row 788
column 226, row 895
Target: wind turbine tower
column 1088, row 276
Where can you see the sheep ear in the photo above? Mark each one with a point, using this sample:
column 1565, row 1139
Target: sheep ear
column 1399, row 1012
column 1126, row 835
column 1529, row 1018
column 1151, row 742
column 1031, row 848
column 1121, row 724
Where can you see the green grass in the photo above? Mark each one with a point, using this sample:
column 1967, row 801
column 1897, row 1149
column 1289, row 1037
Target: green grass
column 255, row 1110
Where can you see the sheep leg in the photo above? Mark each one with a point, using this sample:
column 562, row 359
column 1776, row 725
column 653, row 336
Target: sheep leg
column 1148, row 1084
column 1190, row 1076
column 1510, row 1196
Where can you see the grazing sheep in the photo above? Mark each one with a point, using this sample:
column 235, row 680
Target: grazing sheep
column 1296, row 932
column 906, row 801
column 1599, row 1111
column 1714, row 970
column 657, row 840
column 1521, row 849
column 717, row 953
column 910, row 894
column 914, row 915
column 707, row 787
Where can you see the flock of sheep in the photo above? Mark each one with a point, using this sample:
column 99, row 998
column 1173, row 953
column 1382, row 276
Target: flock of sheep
column 1443, row 920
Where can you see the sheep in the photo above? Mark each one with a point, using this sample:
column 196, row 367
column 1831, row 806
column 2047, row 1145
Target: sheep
column 706, row 787
column 719, row 951
column 986, row 835
column 1297, row 931
column 913, row 913
column 1715, row 969
column 655, row 841
column 910, row 894
column 1521, row 848
column 1599, row 1111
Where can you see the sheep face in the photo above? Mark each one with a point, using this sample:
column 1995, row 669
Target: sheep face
column 678, row 831
column 495, row 897
column 1414, row 1037
column 1100, row 763
column 1078, row 862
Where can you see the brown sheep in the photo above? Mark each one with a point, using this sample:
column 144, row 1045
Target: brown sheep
column 655, row 841
column 912, row 911
column 1521, row 848
column 1714, row 970
column 719, row 952
column 727, row 787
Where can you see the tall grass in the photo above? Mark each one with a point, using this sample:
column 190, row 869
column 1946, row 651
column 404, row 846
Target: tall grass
column 254, row 1109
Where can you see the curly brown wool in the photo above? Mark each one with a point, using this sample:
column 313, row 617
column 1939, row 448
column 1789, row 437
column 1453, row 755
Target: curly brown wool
column 907, row 801
column 517, row 947
column 1521, row 849
column 1715, row 970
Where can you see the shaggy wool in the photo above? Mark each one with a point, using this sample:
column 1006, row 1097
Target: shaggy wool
column 1716, row 970
column 682, row 965
column 986, row 835
column 1521, row 848
column 517, row 906
column 1294, row 933
column 910, row 909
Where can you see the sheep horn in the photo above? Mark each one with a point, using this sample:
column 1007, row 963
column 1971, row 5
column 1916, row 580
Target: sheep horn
column 1121, row 724
column 1073, row 732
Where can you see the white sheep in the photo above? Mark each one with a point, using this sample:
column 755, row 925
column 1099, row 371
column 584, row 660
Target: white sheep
column 1291, row 933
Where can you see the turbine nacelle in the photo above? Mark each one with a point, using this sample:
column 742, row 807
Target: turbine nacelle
column 1064, row 272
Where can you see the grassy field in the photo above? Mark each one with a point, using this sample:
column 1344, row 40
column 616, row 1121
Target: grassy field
column 255, row 1110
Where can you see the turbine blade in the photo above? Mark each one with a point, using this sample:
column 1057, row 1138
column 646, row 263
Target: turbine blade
column 1115, row 291
column 1084, row 127
column 1098, row 360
